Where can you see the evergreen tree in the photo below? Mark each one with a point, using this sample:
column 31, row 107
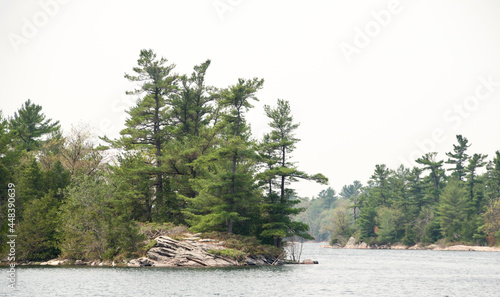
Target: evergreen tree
column 452, row 211
column 416, row 188
column 436, row 176
column 227, row 196
column 137, row 185
column 380, row 185
column 147, row 128
column 38, row 230
column 195, row 113
column 493, row 179
column 278, row 207
column 475, row 191
column 458, row 157
column 30, row 125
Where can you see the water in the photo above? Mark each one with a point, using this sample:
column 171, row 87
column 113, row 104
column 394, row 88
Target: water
column 339, row 273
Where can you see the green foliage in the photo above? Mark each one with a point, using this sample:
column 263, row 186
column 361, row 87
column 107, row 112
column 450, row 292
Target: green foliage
column 458, row 157
column 38, row 236
column 452, row 211
column 94, row 222
column 249, row 245
column 30, row 125
column 389, row 222
column 275, row 150
column 342, row 225
column 492, row 222
column 229, row 253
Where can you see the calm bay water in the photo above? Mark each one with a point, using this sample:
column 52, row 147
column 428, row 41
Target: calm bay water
column 339, row 273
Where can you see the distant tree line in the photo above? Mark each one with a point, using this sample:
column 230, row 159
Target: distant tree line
column 424, row 204
column 186, row 156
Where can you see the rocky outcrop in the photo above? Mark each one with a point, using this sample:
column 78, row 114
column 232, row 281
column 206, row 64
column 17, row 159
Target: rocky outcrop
column 191, row 252
column 351, row 244
column 169, row 252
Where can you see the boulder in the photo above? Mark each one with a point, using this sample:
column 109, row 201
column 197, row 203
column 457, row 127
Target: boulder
column 351, row 243
column 79, row 262
column 308, row 261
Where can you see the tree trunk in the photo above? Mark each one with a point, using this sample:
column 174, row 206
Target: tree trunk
column 157, row 139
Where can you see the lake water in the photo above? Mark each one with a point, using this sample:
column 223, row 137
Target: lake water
column 339, row 273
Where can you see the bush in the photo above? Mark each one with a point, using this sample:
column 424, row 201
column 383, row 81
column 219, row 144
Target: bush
column 247, row 244
column 229, row 253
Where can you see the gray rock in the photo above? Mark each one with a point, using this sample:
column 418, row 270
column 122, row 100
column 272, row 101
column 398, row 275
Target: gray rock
column 169, row 252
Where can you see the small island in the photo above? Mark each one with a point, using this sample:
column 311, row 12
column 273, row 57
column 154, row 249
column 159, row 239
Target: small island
column 186, row 159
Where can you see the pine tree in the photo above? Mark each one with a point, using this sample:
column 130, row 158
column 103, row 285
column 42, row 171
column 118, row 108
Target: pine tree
column 436, row 176
column 30, row 125
column 380, row 184
column 458, row 157
column 475, row 191
column 277, row 147
column 38, row 230
column 227, row 196
column 194, row 113
column 452, row 211
column 147, row 128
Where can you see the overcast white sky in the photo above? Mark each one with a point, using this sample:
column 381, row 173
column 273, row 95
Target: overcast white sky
column 371, row 82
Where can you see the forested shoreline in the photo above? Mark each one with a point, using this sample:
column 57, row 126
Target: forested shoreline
column 186, row 157
column 452, row 201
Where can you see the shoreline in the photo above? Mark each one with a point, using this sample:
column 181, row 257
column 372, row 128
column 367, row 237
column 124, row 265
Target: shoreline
column 432, row 247
column 190, row 251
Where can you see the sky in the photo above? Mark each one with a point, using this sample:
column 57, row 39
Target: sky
column 370, row 82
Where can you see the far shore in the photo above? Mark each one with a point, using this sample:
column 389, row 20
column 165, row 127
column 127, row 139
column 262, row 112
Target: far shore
column 432, row 247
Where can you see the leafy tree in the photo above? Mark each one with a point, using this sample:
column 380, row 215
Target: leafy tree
column 80, row 152
column 94, row 222
column 452, row 210
column 458, row 157
column 30, row 125
column 492, row 221
column 352, row 192
column 342, row 224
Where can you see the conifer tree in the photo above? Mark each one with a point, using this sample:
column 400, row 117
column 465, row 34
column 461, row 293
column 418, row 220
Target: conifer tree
column 30, row 125
column 147, row 128
column 436, row 176
column 475, row 191
column 227, row 196
column 277, row 147
column 458, row 157
column 452, row 211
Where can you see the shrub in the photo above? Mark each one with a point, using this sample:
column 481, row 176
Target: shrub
column 229, row 253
